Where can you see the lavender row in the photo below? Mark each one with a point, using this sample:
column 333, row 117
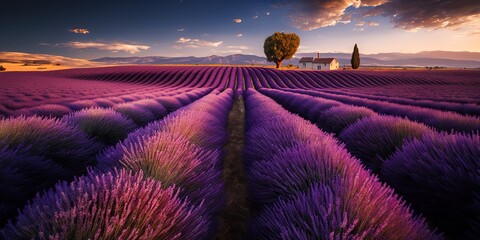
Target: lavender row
column 367, row 135
column 61, row 109
column 438, row 175
column 71, row 104
column 269, row 78
column 443, row 93
column 37, row 152
column 23, row 89
column 302, row 183
column 172, row 76
column 468, row 108
column 442, row 167
column 165, row 185
column 185, row 149
column 440, row 120
column 114, row 205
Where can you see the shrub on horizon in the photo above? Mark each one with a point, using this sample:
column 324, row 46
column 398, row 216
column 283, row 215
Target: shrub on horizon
column 119, row 205
column 439, row 175
column 373, row 139
column 104, row 124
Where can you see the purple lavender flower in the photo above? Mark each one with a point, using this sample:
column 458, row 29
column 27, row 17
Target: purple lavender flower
column 375, row 138
column 120, row 205
column 439, row 175
column 106, row 125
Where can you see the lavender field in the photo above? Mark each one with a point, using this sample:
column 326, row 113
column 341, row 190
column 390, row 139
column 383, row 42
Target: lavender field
column 184, row 152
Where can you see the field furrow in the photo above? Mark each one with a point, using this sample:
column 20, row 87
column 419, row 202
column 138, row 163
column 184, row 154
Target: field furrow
column 239, row 152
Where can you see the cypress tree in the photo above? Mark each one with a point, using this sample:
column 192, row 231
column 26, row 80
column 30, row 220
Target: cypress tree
column 355, row 61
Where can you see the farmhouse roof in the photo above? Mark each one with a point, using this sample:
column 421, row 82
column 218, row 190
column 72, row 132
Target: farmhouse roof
column 306, row 59
column 316, row 60
column 323, row 60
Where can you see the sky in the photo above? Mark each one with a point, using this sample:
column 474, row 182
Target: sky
column 91, row 29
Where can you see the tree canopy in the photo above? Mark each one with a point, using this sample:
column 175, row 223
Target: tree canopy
column 281, row 46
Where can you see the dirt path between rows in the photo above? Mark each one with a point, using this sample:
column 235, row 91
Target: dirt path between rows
column 233, row 219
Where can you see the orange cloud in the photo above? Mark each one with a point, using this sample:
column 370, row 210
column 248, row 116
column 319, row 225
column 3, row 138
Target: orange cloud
column 113, row 47
column 195, row 43
column 79, row 30
column 404, row 14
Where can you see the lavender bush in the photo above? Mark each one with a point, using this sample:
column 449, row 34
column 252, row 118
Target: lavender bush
column 439, row 175
column 106, row 125
column 311, row 188
column 119, row 205
column 375, row 138
column 53, row 139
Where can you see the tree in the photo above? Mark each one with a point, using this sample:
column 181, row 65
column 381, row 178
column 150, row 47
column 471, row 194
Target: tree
column 355, row 58
column 2, row 68
column 281, row 46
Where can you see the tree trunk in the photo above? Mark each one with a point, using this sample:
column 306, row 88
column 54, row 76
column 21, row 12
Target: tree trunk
column 279, row 64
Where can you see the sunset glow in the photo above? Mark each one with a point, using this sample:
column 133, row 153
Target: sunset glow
column 193, row 28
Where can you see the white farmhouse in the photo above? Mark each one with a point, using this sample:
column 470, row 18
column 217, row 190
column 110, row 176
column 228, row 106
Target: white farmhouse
column 318, row 63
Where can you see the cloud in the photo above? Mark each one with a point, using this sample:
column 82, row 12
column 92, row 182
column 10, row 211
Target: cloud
column 234, row 49
column 79, row 30
column 238, row 35
column 113, row 47
column 19, row 57
column 240, row 47
column 195, row 43
column 404, row 14
column 181, row 29
column 371, row 3
column 309, row 15
column 237, row 20
column 431, row 14
column 370, row 24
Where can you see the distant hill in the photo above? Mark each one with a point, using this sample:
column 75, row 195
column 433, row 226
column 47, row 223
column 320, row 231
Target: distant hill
column 214, row 59
column 43, row 59
column 421, row 59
